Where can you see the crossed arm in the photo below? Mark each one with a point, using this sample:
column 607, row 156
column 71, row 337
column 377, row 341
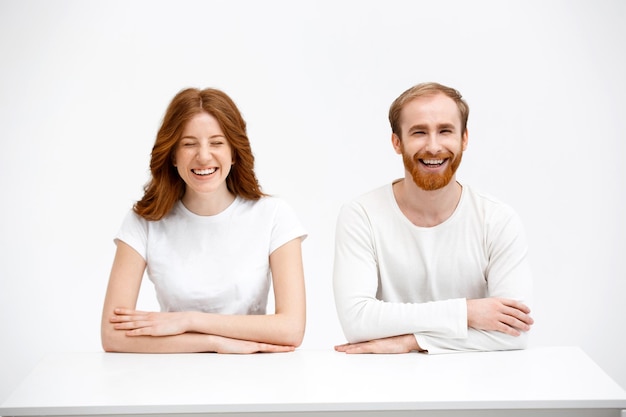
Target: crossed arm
column 125, row 329
column 372, row 325
column 488, row 314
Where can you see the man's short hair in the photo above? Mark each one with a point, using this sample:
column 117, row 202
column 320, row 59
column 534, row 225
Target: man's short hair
column 423, row 90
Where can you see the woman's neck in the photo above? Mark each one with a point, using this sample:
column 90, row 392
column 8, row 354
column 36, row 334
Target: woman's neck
column 208, row 204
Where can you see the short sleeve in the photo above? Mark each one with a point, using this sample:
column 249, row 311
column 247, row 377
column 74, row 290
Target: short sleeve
column 286, row 226
column 134, row 232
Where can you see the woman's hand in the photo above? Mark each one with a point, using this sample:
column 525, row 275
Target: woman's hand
column 228, row 345
column 145, row 323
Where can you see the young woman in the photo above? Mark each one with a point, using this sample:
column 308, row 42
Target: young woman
column 210, row 241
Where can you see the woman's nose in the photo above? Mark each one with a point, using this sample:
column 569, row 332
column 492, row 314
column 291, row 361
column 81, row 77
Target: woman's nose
column 204, row 153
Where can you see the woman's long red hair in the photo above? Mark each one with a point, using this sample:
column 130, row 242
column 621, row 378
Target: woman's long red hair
column 166, row 187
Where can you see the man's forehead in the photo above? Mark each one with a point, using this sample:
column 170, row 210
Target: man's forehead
column 432, row 106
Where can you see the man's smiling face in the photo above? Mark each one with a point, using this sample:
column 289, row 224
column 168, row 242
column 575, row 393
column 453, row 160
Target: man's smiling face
column 431, row 142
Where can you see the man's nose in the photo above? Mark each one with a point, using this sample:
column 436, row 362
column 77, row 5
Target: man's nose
column 433, row 145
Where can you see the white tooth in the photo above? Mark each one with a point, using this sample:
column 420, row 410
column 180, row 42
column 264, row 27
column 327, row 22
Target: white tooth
column 204, row 171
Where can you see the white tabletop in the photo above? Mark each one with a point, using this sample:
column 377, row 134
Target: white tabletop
column 315, row 381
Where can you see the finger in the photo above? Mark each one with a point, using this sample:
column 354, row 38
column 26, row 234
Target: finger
column 129, row 312
column 120, row 319
column 506, row 329
column 518, row 305
column 516, row 324
column 519, row 316
column 124, row 311
column 517, row 321
column 142, row 331
column 347, row 346
column 253, row 347
column 359, row 348
column 275, row 348
column 131, row 325
column 125, row 326
column 123, row 319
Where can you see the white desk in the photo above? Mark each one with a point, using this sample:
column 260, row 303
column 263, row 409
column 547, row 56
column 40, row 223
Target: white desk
column 537, row 382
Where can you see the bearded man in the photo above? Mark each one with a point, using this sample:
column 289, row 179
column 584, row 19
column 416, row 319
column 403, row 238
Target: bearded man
column 426, row 263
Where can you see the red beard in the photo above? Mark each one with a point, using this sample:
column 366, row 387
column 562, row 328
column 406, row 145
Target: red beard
column 431, row 181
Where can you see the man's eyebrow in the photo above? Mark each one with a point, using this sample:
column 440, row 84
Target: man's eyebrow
column 419, row 127
column 426, row 126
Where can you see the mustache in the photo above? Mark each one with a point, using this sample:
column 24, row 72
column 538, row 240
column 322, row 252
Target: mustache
column 429, row 155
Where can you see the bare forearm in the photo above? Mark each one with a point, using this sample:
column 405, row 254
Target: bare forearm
column 278, row 329
column 118, row 341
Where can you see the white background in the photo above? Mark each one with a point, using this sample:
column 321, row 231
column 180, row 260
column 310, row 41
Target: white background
column 84, row 85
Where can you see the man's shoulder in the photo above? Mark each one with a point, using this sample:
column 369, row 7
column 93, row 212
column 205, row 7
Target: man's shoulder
column 375, row 195
column 372, row 200
column 488, row 204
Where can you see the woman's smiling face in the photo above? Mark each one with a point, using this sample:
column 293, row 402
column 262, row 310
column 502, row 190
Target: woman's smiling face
column 203, row 156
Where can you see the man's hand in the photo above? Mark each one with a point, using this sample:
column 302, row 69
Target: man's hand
column 144, row 323
column 395, row 344
column 499, row 314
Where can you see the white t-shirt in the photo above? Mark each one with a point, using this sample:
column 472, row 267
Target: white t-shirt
column 392, row 277
column 217, row 264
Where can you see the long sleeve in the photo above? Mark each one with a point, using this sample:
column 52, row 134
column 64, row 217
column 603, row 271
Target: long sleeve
column 508, row 275
column 356, row 283
column 392, row 278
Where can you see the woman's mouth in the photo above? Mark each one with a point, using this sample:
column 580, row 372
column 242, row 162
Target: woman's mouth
column 203, row 172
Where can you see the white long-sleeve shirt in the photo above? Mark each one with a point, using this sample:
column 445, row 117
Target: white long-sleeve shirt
column 393, row 278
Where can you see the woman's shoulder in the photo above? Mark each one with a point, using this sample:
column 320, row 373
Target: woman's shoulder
column 266, row 203
column 270, row 209
column 132, row 218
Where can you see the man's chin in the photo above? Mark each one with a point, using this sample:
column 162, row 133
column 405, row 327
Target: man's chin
column 432, row 182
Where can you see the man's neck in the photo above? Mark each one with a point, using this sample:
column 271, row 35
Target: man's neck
column 427, row 208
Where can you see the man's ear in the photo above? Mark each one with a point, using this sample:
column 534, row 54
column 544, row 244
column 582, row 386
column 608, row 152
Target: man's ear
column 397, row 143
column 464, row 140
